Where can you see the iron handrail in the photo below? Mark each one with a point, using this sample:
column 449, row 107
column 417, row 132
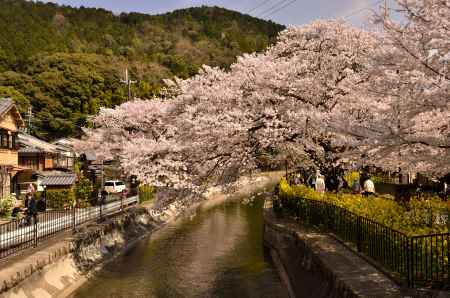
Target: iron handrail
column 422, row 260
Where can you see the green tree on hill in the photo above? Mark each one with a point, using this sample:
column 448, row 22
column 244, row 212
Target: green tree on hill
column 68, row 62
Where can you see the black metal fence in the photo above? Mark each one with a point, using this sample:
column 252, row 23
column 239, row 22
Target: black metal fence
column 28, row 232
column 419, row 260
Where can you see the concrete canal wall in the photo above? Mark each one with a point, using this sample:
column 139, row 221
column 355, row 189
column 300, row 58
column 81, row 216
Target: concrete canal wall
column 317, row 265
column 313, row 264
column 60, row 267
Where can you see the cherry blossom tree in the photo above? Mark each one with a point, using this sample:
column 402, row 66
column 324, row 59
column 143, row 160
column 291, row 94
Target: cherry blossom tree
column 211, row 128
column 400, row 118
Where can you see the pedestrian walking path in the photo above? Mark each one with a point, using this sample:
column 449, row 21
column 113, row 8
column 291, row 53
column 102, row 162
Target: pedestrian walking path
column 16, row 235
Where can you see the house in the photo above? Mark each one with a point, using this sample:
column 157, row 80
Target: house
column 10, row 123
column 43, row 164
column 67, row 155
column 55, row 180
column 37, row 154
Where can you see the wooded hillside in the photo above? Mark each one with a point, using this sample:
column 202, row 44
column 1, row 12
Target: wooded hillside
column 68, row 62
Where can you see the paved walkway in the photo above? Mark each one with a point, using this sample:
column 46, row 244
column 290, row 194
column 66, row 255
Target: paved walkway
column 15, row 237
column 325, row 255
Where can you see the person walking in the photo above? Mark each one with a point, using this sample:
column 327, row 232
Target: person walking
column 103, row 197
column 369, row 187
column 342, row 183
column 312, row 181
column 356, row 187
column 31, row 190
column 32, row 211
column 16, row 210
column 445, row 191
column 320, row 184
column 27, row 201
column 42, row 204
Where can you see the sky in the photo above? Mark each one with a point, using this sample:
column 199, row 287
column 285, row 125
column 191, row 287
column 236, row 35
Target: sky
column 287, row 12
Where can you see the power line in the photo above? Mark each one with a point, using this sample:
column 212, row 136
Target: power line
column 275, row 6
column 283, row 4
column 280, row 8
column 362, row 9
column 258, row 6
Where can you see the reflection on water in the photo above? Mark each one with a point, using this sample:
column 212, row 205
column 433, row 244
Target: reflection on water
column 217, row 253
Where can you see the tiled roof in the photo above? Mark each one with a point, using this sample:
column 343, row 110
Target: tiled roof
column 30, row 144
column 66, row 142
column 58, row 179
column 5, row 105
column 30, row 150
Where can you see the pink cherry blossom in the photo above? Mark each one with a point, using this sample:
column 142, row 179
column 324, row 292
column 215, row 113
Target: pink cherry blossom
column 212, row 127
column 400, row 116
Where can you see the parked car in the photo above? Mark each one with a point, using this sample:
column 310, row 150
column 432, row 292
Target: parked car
column 114, row 186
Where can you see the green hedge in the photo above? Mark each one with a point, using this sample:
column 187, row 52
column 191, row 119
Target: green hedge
column 83, row 192
column 58, row 199
column 6, row 205
column 417, row 217
column 146, row 193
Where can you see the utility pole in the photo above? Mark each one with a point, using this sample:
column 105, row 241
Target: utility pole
column 128, row 82
column 386, row 10
column 103, row 174
column 29, row 118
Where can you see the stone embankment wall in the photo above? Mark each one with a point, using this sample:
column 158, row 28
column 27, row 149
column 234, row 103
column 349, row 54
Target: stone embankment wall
column 317, row 265
column 56, row 269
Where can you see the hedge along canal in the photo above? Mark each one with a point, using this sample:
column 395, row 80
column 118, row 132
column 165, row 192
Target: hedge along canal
column 217, row 252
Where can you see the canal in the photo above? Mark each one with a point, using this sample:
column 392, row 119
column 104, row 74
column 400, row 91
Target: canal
column 214, row 253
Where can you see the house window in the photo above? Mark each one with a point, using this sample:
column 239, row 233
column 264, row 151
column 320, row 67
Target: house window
column 7, row 140
column 3, row 139
column 14, row 142
column 29, row 162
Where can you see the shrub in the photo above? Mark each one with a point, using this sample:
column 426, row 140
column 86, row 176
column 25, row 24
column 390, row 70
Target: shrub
column 350, row 177
column 37, row 195
column 83, row 192
column 6, row 205
column 58, row 199
column 146, row 193
column 417, row 217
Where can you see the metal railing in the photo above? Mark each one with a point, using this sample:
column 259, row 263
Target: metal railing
column 417, row 260
column 19, row 235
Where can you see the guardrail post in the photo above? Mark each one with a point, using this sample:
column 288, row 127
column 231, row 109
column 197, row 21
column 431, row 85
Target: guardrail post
column 101, row 209
column 359, row 235
column 35, row 231
column 74, row 218
column 329, row 217
column 305, row 214
column 138, row 195
column 409, row 262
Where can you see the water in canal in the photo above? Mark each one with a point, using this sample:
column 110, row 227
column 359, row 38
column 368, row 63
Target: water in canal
column 216, row 253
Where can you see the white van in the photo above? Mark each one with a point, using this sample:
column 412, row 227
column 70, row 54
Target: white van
column 114, row 186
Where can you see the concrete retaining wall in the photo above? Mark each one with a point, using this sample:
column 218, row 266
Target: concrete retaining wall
column 60, row 267
column 319, row 266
